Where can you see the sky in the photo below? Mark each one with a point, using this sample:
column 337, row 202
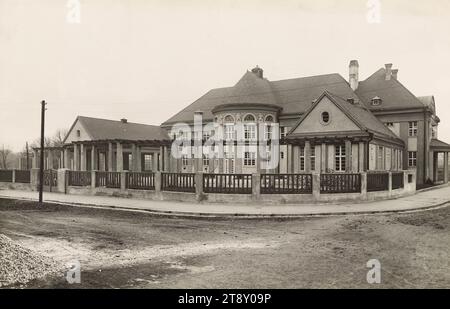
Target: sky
column 146, row 60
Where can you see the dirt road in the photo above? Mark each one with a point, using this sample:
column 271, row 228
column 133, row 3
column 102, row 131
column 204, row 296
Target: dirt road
column 119, row 249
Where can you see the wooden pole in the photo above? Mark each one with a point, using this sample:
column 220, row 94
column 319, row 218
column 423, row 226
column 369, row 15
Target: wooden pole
column 41, row 167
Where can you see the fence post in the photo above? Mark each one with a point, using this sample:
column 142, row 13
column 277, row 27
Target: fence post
column 363, row 185
column 34, row 179
column 158, row 182
column 13, row 180
column 316, row 186
column 390, row 183
column 123, row 179
column 198, row 186
column 256, row 186
column 93, row 179
column 61, row 186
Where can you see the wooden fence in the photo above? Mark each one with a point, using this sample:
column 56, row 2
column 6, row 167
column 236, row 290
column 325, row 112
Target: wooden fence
column 227, row 183
column 377, row 182
column 286, row 184
column 79, row 178
column 181, row 182
column 140, row 181
column 23, row 176
column 397, row 180
column 108, row 179
column 340, row 183
column 6, row 175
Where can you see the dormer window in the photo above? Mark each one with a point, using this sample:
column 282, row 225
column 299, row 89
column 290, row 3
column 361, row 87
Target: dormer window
column 376, row 101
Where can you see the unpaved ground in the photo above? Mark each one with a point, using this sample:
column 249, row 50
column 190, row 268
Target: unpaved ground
column 119, row 249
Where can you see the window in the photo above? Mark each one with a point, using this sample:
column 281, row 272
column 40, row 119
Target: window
column 268, row 132
column 339, row 158
column 78, row 133
column 269, row 118
column 434, row 132
column 389, row 124
column 249, row 159
column 325, row 117
column 376, row 101
column 380, row 158
column 229, row 119
column 249, row 132
column 283, row 132
column 313, row 157
column 412, row 158
column 249, row 118
column 184, row 160
column 205, row 160
column 229, row 132
column 282, row 155
column 147, row 162
column 302, row 158
column 412, row 131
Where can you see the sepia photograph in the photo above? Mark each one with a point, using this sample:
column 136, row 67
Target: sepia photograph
column 224, row 149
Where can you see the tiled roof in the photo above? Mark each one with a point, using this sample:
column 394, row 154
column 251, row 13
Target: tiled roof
column 393, row 94
column 104, row 129
column 294, row 96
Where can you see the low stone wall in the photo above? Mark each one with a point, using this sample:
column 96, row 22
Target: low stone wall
column 409, row 188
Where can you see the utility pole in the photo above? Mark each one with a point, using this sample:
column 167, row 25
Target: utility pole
column 41, row 164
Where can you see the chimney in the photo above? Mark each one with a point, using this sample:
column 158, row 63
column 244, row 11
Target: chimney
column 124, row 120
column 258, row 72
column 388, row 71
column 353, row 79
column 394, row 73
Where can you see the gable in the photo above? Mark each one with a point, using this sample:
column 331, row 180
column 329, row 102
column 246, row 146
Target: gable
column 72, row 136
column 339, row 121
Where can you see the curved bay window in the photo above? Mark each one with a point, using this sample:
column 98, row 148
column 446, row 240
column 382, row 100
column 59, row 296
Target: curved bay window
column 268, row 127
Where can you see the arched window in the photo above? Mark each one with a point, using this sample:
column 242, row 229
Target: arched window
column 229, row 119
column 249, row 118
column 269, row 118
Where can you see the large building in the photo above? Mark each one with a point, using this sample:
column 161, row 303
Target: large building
column 324, row 123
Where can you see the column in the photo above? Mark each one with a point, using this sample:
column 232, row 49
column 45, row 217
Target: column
column 361, row 157
column 445, row 167
column 166, row 159
column 435, row 166
column 83, row 157
column 50, row 159
column 161, row 158
column 138, row 159
column 289, row 159
column 323, row 159
column 296, row 158
column 35, row 159
column 307, row 157
column 66, row 158
column 110, row 157
column 94, row 165
column 134, row 160
column 348, row 156
column 318, row 158
column 76, row 161
column 119, row 156
column 155, row 162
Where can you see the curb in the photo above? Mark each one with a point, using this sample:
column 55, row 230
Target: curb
column 228, row 216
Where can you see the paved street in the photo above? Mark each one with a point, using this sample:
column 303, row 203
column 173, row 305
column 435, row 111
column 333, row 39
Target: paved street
column 140, row 250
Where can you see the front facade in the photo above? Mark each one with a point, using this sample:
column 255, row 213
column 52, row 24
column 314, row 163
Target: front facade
column 322, row 124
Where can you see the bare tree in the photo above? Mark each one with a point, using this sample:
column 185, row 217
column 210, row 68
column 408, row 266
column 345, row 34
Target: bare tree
column 4, row 155
column 58, row 138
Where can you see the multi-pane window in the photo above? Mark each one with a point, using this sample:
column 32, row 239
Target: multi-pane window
column 284, row 131
column 302, row 158
column 249, row 158
column 147, row 162
column 206, row 135
column 249, row 131
column 184, row 160
column 313, row 157
column 412, row 158
column 339, row 156
column 380, row 158
column 229, row 132
column 412, row 130
column 205, row 160
column 268, row 132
